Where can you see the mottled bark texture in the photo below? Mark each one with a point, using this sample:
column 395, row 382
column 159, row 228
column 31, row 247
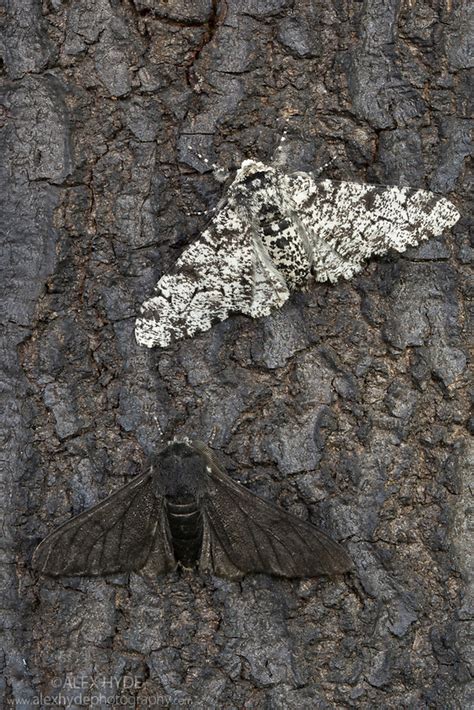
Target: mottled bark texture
column 348, row 407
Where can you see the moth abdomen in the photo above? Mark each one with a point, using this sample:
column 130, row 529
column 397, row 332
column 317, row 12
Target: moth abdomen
column 286, row 249
column 186, row 528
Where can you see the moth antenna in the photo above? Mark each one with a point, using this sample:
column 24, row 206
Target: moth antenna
column 280, row 150
column 220, row 174
column 283, row 139
column 199, row 155
column 194, row 213
column 157, row 422
column 215, row 429
column 323, row 167
column 213, row 166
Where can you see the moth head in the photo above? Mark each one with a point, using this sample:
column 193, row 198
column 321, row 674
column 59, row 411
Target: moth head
column 252, row 170
column 253, row 182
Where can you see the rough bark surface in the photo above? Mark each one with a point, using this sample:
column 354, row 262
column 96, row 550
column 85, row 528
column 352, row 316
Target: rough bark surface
column 348, row 407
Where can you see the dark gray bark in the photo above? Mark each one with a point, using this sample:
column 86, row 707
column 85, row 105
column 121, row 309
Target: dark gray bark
column 348, row 406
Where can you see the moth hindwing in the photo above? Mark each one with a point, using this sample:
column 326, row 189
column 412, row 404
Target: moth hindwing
column 184, row 510
column 275, row 232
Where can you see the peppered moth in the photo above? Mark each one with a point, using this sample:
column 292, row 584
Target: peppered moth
column 184, row 510
column 272, row 234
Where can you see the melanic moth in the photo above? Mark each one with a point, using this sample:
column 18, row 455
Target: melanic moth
column 272, row 234
column 184, row 510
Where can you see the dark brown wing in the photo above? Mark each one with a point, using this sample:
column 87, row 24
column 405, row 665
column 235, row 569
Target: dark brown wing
column 118, row 535
column 243, row 533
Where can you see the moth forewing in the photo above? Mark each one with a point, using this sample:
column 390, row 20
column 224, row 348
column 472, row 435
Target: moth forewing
column 116, row 535
column 255, row 535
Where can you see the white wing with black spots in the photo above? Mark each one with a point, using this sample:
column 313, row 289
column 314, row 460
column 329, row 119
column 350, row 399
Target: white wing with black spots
column 219, row 274
column 274, row 233
column 347, row 222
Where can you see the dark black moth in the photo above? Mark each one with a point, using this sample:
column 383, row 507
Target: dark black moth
column 184, row 510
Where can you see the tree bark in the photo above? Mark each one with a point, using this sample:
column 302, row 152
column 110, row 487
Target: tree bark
column 348, row 407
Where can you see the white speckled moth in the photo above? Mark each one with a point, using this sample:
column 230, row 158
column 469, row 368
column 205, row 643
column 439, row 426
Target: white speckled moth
column 272, row 234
